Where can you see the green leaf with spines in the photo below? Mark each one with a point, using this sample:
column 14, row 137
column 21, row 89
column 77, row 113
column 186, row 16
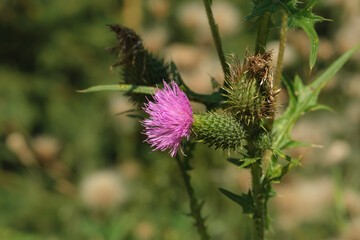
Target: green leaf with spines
column 306, row 20
column 248, row 161
column 242, row 163
column 303, row 98
column 295, row 144
column 236, row 161
column 303, row 18
column 277, row 171
column 244, row 200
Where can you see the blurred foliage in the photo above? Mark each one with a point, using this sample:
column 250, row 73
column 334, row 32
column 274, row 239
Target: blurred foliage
column 50, row 49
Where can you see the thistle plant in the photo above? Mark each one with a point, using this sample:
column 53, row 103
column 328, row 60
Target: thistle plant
column 241, row 115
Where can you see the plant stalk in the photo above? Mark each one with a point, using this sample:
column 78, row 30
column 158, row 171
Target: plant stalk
column 258, row 195
column 217, row 40
column 258, row 190
column 195, row 207
column 284, row 21
column 262, row 33
column 278, row 71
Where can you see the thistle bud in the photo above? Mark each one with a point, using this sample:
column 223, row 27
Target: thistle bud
column 139, row 67
column 218, row 130
column 250, row 94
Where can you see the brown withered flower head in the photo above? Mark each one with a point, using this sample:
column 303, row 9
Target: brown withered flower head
column 250, row 94
column 129, row 44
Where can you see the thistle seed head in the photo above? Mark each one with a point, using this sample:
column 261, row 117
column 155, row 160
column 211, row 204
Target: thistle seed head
column 250, row 94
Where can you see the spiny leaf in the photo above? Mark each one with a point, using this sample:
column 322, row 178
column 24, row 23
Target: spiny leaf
column 277, row 171
column 235, row 161
column 303, row 99
column 333, row 69
column 260, row 7
column 248, row 161
column 311, row 4
column 244, row 200
column 296, row 144
column 308, row 26
column 242, row 163
column 303, row 18
column 264, row 6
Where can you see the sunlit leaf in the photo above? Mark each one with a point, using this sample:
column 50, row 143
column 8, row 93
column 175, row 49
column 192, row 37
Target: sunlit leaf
column 120, row 87
column 278, row 171
column 303, row 99
column 308, row 26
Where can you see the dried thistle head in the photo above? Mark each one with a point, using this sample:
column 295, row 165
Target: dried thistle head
column 129, row 44
column 139, row 67
column 250, row 91
column 258, row 67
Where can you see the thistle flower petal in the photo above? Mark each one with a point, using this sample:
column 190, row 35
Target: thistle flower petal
column 170, row 119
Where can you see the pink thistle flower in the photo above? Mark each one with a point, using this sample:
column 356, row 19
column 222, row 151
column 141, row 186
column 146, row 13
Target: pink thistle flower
column 170, row 119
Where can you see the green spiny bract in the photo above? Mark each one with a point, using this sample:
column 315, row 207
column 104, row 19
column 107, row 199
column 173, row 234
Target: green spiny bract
column 264, row 141
column 218, row 130
column 250, row 94
column 139, row 67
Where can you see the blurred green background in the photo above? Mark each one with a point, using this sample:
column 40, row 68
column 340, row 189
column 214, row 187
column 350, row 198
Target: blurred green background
column 72, row 169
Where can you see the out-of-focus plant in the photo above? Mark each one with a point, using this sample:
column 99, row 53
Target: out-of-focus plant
column 240, row 116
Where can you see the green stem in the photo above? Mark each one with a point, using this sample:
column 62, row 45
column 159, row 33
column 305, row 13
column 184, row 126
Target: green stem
column 282, row 43
column 258, row 194
column 258, row 190
column 216, row 38
column 263, row 30
column 195, row 207
column 284, row 21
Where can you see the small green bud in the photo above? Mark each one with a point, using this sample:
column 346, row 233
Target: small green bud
column 218, row 130
column 264, row 141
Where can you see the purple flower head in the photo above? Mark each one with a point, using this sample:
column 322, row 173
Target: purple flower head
column 170, row 119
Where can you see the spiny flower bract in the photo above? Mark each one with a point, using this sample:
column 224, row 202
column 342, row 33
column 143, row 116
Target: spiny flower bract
column 170, row 118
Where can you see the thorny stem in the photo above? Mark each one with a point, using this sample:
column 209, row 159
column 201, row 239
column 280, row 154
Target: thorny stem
column 195, row 207
column 216, row 38
column 258, row 190
column 284, row 21
column 258, row 193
